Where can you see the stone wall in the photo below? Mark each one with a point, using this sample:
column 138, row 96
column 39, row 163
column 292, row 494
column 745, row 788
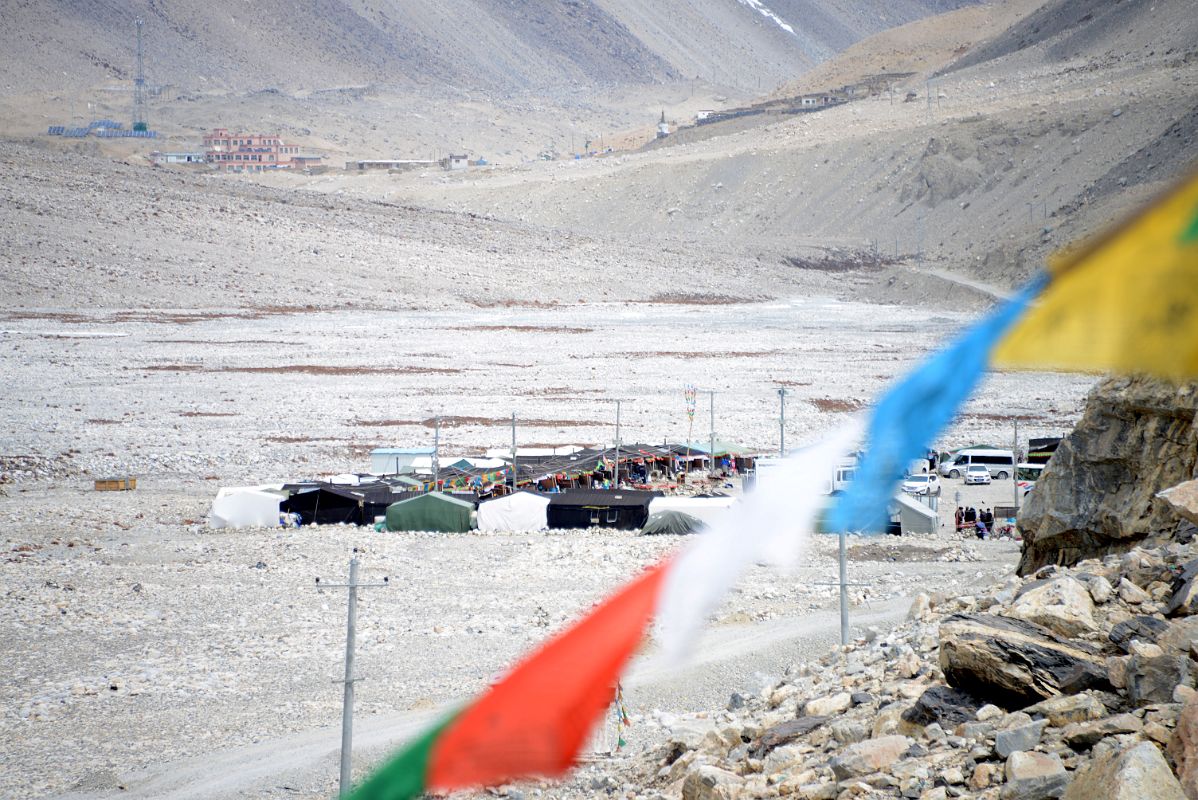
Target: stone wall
column 1098, row 494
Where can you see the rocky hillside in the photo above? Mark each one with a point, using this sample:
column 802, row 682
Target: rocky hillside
column 1070, row 683
column 1100, row 492
column 497, row 46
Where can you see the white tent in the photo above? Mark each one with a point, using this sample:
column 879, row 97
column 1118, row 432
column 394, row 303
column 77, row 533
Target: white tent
column 245, row 506
column 522, row 511
column 705, row 509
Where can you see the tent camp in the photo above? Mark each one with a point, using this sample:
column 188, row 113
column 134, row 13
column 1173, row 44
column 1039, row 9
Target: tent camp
column 586, row 508
column 706, row 509
column 522, row 511
column 671, row 522
column 431, row 512
column 245, row 507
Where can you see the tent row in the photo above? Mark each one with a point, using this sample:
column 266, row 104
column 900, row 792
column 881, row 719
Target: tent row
column 325, row 504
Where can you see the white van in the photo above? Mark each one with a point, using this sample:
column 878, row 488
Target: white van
column 1001, row 463
column 836, row 483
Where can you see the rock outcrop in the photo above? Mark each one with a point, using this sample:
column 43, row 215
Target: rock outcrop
column 1098, row 495
column 967, row 700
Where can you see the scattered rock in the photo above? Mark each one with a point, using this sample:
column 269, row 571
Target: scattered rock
column 706, row 782
column 1143, row 628
column 1062, row 605
column 1183, row 748
column 1087, row 734
column 944, row 705
column 1153, row 679
column 1034, row 776
column 1024, row 737
column 1066, row 709
column 827, row 706
column 869, row 756
column 786, row 732
column 1135, row 772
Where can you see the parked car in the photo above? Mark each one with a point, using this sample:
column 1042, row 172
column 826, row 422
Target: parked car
column 922, row 485
column 977, row 473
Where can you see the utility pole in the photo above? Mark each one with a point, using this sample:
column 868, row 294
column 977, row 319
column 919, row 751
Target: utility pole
column 514, row 470
column 782, row 422
column 843, row 559
column 139, row 84
column 616, row 474
column 1015, row 473
column 712, row 453
column 436, row 453
column 347, row 708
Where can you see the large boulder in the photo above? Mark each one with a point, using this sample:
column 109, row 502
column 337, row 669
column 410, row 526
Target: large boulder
column 1063, row 605
column 1013, row 663
column 1130, row 772
column 786, row 732
column 1098, row 494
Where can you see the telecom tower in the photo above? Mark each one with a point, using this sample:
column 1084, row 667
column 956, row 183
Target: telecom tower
column 139, row 85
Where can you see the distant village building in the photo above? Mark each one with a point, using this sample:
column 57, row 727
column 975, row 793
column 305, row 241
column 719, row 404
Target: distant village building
column 663, row 127
column 177, row 158
column 253, row 152
column 455, row 161
column 389, row 164
column 704, row 113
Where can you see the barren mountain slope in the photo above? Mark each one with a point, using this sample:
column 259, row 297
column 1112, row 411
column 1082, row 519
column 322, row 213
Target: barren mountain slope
column 1100, row 30
column 499, row 46
column 1010, row 161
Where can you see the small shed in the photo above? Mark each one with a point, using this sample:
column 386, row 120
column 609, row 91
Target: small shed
column 457, row 161
column 521, row 511
column 592, row 508
column 915, row 517
column 397, row 460
column 431, row 512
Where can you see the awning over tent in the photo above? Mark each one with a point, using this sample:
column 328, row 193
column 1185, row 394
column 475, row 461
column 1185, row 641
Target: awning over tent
column 674, row 522
column 245, row 507
column 430, row 512
column 522, row 511
column 705, row 509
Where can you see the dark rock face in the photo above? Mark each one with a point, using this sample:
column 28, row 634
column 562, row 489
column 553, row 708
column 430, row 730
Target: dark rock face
column 1013, row 663
column 1152, row 680
column 1097, row 496
column 1146, row 629
column 947, row 706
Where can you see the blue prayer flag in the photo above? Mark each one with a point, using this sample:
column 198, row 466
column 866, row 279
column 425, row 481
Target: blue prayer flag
column 914, row 413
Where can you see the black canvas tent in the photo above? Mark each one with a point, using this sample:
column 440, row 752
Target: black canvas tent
column 333, row 504
column 592, row 508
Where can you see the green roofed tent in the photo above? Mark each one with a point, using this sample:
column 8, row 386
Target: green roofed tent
column 431, row 512
column 671, row 522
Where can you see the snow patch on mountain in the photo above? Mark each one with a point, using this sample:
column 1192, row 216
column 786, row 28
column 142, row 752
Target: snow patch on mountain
column 764, row 11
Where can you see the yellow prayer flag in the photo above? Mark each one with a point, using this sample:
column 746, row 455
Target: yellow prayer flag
column 1128, row 302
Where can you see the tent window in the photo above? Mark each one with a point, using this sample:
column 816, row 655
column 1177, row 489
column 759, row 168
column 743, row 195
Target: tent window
column 612, row 515
column 595, row 517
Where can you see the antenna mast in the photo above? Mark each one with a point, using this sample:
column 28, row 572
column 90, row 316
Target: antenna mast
column 139, row 85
